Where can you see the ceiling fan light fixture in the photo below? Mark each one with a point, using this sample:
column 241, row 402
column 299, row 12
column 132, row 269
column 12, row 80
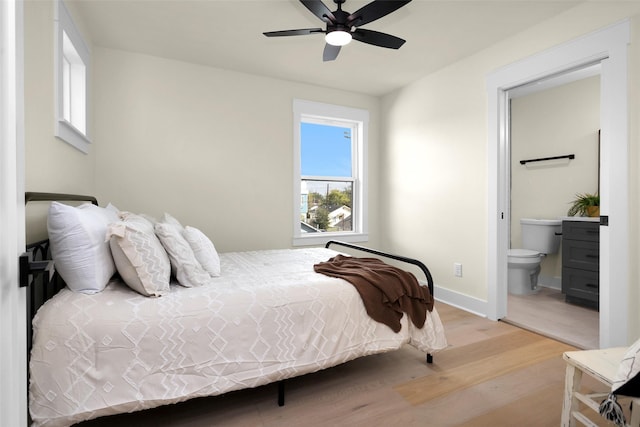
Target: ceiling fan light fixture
column 338, row 38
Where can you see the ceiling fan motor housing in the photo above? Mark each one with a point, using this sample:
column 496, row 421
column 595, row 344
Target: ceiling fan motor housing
column 340, row 23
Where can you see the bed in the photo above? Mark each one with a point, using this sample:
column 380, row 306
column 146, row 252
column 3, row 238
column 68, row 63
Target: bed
column 267, row 317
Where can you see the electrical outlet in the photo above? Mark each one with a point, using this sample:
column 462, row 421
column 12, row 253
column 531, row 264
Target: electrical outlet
column 457, row 269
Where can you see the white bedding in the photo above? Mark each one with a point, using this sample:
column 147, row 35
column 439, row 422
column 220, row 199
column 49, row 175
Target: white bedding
column 268, row 317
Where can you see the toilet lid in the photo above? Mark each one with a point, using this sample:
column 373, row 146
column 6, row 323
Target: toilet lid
column 523, row 253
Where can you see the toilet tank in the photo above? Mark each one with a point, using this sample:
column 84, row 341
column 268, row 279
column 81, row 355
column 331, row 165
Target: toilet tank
column 540, row 234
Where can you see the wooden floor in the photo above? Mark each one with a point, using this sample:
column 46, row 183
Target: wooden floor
column 548, row 314
column 492, row 374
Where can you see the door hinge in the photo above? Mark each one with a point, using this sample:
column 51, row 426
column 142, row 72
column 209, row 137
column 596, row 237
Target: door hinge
column 29, row 268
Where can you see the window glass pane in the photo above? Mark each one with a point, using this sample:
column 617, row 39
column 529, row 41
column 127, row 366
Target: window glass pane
column 74, row 82
column 326, row 206
column 66, row 89
column 325, row 150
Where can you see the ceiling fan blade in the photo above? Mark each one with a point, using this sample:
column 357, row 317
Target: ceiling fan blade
column 374, row 10
column 319, row 9
column 377, row 38
column 302, row 32
column 330, row 52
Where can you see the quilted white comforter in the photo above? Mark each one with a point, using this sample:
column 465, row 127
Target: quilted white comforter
column 268, row 317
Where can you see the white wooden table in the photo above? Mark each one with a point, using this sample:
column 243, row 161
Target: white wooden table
column 601, row 365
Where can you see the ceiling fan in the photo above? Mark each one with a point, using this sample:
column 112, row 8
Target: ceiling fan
column 340, row 25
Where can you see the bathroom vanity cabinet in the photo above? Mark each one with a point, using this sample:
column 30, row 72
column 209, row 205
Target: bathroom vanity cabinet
column 581, row 262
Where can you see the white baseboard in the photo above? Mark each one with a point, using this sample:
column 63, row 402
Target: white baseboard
column 461, row 301
column 554, row 282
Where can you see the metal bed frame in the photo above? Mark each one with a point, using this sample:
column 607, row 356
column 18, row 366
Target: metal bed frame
column 415, row 262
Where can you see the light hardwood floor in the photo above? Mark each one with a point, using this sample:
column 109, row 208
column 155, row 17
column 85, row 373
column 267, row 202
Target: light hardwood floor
column 492, row 374
column 547, row 313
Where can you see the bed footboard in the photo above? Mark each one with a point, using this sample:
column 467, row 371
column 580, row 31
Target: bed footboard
column 412, row 261
column 404, row 259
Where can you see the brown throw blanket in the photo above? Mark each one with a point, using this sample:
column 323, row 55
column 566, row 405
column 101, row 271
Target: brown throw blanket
column 386, row 291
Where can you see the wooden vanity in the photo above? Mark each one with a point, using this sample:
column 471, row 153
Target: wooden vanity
column 581, row 260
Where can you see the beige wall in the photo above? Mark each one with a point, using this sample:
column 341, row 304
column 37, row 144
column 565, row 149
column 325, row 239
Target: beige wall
column 435, row 153
column 51, row 165
column 558, row 121
column 213, row 148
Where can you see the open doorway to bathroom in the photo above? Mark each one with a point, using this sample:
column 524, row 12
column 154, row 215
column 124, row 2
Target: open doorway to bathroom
column 609, row 47
column 554, row 155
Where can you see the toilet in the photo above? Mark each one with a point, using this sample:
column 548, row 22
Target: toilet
column 539, row 238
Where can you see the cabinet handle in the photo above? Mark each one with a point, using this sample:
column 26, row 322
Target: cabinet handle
column 591, row 285
column 592, row 256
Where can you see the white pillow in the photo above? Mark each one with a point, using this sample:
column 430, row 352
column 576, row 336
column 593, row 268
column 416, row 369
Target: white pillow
column 188, row 270
column 81, row 254
column 168, row 219
column 139, row 256
column 112, row 208
column 203, row 249
column 149, row 218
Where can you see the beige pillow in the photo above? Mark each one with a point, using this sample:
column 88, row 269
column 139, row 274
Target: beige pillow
column 139, row 256
column 188, row 270
column 203, row 249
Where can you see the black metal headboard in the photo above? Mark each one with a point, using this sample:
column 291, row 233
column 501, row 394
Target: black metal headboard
column 37, row 272
column 31, row 196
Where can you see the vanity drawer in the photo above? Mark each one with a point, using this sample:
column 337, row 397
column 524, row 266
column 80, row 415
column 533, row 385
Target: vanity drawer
column 581, row 254
column 581, row 262
column 581, row 284
column 581, row 230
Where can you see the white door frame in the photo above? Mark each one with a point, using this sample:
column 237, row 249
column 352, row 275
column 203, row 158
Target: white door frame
column 608, row 47
column 13, row 359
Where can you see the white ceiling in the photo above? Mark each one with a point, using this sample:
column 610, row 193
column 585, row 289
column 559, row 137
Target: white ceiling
column 228, row 34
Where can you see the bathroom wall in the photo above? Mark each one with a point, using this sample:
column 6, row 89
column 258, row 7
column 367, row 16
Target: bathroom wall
column 553, row 122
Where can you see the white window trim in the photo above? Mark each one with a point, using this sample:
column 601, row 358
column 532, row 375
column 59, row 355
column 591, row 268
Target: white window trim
column 63, row 23
column 317, row 112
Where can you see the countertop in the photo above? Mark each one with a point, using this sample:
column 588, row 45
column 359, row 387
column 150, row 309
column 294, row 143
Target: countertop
column 581, row 218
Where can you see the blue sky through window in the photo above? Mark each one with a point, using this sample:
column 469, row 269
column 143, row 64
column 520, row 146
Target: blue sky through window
column 325, row 150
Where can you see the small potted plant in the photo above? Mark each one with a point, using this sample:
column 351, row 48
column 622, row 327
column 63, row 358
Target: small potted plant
column 585, row 205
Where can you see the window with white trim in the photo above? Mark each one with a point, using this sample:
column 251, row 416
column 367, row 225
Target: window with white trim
column 72, row 71
column 330, row 188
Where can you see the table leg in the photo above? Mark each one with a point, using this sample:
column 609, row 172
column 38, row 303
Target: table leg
column 635, row 413
column 572, row 380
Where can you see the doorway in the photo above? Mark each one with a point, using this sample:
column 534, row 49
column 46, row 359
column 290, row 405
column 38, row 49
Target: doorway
column 607, row 47
column 554, row 147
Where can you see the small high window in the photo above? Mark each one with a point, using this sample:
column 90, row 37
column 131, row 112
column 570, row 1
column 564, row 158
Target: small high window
column 72, row 70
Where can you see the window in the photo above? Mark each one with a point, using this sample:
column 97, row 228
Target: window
column 330, row 173
column 72, row 69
